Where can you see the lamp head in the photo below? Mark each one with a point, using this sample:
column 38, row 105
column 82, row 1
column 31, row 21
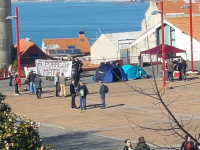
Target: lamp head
column 11, row 17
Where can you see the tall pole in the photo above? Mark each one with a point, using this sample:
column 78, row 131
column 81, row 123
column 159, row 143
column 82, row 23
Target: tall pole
column 18, row 46
column 163, row 46
column 191, row 37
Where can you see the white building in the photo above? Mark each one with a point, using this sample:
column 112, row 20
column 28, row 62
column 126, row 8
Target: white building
column 177, row 34
column 171, row 9
column 113, row 46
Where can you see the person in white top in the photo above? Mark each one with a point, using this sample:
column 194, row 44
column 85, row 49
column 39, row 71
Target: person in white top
column 11, row 74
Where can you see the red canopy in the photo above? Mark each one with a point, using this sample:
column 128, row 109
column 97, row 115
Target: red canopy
column 158, row 50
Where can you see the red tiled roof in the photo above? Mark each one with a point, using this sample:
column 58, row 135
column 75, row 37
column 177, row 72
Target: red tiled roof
column 27, row 49
column 24, row 45
column 183, row 23
column 80, row 43
column 175, row 7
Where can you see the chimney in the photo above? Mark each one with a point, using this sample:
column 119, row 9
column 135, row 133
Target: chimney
column 81, row 34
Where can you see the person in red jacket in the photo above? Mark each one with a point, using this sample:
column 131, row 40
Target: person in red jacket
column 17, row 81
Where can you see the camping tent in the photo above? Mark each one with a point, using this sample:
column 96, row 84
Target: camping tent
column 108, row 74
column 133, row 72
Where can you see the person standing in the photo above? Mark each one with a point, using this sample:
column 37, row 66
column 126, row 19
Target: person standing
column 141, row 145
column 102, row 92
column 82, row 89
column 62, row 82
column 56, row 82
column 31, row 78
column 182, row 68
column 76, row 65
column 11, row 74
column 170, row 67
column 127, row 145
column 17, row 81
column 38, row 85
column 188, row 144
column 73, row 94
column 76, row 77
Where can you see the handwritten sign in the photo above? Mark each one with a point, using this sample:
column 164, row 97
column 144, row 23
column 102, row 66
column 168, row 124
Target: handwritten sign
column 51, row 67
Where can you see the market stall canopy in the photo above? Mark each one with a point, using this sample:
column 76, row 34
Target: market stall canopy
column 158, row 50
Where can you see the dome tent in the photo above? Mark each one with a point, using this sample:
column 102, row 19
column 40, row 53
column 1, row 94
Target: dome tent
column 108, row 74
column 133, row 72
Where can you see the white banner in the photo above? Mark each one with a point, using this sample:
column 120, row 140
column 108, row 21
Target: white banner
column 51, row 67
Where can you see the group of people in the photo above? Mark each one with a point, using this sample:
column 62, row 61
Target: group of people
column 181, row 67
column 188, row 144
column 77, row 89
column 141, row 145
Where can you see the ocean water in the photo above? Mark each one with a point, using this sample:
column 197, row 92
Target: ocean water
column 41, row 20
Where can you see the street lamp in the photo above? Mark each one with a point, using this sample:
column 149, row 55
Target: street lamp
column 18, row 46
column 191, row 33
column 163, row 44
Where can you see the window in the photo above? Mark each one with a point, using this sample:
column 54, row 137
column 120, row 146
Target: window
column 68, row 51
column 34, row 56
column 169, row 35
column 77, row 51
column 71, row 46
column 60, row 52
column 52, row 52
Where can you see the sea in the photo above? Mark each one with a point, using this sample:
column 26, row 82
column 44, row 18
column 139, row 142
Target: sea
column 44, row 20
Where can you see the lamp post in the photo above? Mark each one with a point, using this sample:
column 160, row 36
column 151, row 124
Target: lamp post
column 18, row 45
column 163, row 41
column 191, row 33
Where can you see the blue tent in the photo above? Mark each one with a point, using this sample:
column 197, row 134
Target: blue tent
column 108, row 74
column 133, row 72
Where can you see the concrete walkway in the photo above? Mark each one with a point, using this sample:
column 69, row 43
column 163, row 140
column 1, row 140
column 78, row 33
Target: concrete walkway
column 107, row 129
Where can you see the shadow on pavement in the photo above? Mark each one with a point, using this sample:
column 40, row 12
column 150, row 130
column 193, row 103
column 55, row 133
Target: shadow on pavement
column 83, row 141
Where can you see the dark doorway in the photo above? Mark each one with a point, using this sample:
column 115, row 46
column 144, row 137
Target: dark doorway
column 116, row 75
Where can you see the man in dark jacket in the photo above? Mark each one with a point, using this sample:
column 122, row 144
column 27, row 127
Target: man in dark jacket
column 82, row 89
column 38, row 85
column 102, row 93
column 73, row 94
column 31, row 78
column 182, row 68
column 141, row 145
column 57, row 85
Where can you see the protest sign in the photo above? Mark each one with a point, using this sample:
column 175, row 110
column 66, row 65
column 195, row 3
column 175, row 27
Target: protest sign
column 50, row 67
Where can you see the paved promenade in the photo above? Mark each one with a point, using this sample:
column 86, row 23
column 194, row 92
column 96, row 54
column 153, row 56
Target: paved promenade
column 106, row 129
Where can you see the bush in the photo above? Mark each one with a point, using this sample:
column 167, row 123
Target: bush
column 18, row 133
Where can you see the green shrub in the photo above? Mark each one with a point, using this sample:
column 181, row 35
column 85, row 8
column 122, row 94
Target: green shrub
column 18, row 133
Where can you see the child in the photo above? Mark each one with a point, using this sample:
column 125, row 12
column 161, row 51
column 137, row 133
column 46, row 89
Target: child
column 17, row 81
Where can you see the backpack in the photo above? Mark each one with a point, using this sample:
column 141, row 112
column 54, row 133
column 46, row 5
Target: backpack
column 106, row 88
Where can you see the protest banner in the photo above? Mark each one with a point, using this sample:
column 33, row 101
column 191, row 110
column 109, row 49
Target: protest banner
column 50, row 67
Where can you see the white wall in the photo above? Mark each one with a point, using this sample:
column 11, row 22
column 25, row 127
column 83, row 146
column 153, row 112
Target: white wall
column 103, row 49
column 183, row 42
column 151, row 20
